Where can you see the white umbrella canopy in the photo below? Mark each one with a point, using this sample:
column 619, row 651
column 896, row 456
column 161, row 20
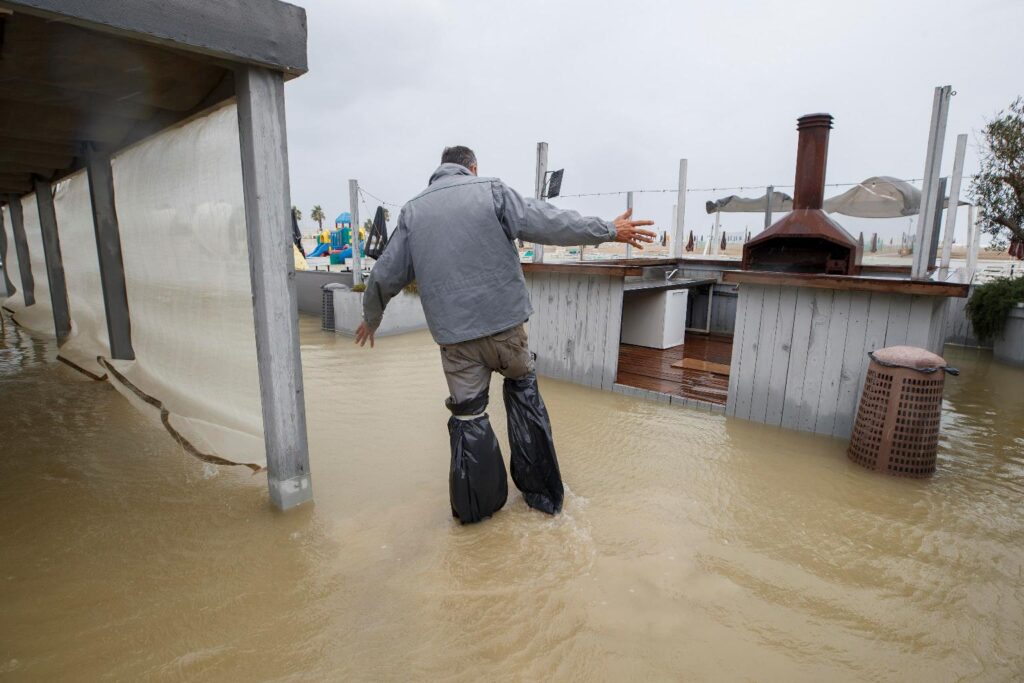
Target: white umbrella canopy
column 877, row 197
column 736, row 204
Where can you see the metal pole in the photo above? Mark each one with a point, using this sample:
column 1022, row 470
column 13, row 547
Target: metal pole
column 542, row 169
column 933, row 246
column 267, row 196
column 954, row 199
column 679, row 222
column 353, row 207
column 929, row 188
column 973, row 241
column 629, row 205
column 714, row 233
column 768, row 206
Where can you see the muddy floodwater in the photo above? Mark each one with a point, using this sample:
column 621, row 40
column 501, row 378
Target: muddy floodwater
column 692, row 547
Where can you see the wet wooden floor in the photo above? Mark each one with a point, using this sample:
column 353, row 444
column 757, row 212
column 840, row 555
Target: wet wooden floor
column 652, row 369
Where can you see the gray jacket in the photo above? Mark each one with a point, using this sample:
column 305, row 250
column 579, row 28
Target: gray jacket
column 456, row 239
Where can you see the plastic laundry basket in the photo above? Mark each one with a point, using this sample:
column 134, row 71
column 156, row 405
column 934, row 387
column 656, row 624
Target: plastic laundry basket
column 897, row 427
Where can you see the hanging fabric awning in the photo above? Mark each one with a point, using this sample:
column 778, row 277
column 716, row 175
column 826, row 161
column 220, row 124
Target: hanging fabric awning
column 877, row 197
column 736, row 204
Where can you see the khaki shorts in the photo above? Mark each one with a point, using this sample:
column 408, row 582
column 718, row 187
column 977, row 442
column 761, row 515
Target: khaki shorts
column 468, row 365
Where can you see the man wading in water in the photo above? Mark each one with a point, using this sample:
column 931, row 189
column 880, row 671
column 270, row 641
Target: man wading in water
column 457, row 240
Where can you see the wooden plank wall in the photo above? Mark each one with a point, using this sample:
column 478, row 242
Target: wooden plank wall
column 800, row 354
column 575, row 328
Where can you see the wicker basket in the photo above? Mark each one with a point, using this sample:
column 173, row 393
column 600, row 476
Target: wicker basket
column 897, row 426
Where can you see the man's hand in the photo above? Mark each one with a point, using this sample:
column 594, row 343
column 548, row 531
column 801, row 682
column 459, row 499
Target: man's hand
column 363, row 332
column 626, row 230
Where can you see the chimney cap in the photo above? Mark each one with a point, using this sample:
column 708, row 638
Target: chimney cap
column 814, row 121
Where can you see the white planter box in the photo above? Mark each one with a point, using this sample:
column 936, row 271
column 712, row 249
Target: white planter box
column 403, row 314
column 1010, row 347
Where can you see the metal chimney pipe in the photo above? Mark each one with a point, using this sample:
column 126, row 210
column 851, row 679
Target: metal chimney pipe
column 811, row 159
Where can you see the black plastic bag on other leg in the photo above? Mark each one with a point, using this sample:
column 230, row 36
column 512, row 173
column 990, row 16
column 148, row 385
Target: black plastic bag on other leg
column 477, row 485
column 532, row 461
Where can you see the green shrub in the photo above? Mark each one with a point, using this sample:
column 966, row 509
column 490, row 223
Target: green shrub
column 412, row 288
column 991, row 303
column 361, row 287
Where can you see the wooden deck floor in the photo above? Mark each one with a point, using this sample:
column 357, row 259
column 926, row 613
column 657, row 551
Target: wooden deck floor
column 652, row 369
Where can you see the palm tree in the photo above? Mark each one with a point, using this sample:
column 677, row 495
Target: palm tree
column 318, row 215
column 296, row 213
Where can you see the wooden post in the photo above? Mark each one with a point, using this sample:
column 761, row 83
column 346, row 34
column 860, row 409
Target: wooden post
column 9, row 288
column 353, row 207
column 28, row 283
column 54, row 260
column 629, row 205
column 714, row 233
column 954, row 199
column 264, row 152
column 768, row 205
column 973, row 241
column 108, row 251
column 929, row 189
column 679, row 222
column 542, row 169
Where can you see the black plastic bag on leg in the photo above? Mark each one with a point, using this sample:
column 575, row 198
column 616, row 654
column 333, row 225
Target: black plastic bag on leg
column 532, row 461
column 477, row 484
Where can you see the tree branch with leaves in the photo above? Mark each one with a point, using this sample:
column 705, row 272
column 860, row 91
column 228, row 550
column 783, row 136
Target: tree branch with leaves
column 998, row 189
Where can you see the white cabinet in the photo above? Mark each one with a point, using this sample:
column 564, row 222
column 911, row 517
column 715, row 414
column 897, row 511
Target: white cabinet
column 656, row 319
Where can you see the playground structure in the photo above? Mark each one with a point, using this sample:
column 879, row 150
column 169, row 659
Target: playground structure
column 337, row 244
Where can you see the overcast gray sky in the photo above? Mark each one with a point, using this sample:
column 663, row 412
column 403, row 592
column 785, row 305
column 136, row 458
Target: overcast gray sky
column 622, row 91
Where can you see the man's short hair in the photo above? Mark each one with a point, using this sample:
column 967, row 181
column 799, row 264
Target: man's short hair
column 458, row 155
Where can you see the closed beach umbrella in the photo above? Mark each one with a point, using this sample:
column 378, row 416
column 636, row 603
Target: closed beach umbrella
column 723, row 241
column 689, row 242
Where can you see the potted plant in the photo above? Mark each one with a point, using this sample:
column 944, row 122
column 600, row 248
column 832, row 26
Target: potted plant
column 996, row 311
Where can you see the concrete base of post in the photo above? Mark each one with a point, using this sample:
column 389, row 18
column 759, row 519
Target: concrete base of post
column 290, row 493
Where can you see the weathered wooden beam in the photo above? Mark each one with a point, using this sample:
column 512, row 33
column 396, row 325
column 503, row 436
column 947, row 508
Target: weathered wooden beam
column 264, row 151
column 108, row 249
column 582, row 269
column 847, row 283
column 59, row 124
column 16, row 183
column 9, row 286
column 26, row 91
column 267, row 33
column 55, row 150
column 19, row 168
column 54, row 260
column 28, row 283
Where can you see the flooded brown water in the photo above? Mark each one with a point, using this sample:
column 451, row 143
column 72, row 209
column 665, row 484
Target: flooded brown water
column 691, row 548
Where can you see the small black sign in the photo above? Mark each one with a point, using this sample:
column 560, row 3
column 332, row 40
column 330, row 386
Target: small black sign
column 554, row 184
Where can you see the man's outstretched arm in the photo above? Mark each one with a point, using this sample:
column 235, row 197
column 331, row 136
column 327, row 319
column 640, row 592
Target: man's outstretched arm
column 390, row 274
column 535, row 220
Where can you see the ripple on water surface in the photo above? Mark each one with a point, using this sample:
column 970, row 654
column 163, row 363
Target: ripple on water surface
column 692, row 546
